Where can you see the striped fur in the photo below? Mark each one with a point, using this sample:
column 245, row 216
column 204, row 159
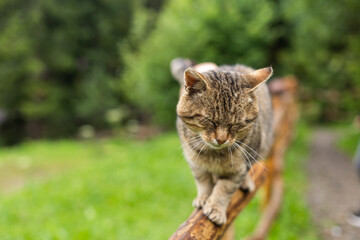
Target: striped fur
column 225, row 125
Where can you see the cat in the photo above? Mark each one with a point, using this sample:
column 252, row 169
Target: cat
column 224, row 120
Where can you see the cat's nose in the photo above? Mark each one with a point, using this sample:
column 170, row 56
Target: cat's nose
column 220, row 141
column 221, row 135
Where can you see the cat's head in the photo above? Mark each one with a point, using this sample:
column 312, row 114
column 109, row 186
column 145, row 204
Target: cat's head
column 221, row 106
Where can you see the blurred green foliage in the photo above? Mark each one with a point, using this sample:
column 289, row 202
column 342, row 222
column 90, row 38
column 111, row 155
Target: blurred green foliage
column 317, row 41
column 73, row 63
column 116, row 189
column 203, row 30
column 324, row 52
column 59, row 63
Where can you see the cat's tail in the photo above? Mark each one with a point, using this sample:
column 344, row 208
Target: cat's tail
column 178, row 67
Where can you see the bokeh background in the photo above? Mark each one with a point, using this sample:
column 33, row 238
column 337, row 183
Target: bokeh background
column 87, row 106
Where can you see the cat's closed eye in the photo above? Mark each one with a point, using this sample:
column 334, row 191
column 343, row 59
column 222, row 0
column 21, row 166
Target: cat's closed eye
column 236, row 127
column 191, row 117
column 239, row 126
column 250, row 120
column 199, row 121
column 207, row 122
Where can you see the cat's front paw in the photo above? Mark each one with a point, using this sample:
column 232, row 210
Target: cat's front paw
column 215, row 213
column 199, row 201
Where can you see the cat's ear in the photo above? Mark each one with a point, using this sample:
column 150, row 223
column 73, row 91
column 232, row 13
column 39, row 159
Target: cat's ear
column 194, row 81
column 256, row 78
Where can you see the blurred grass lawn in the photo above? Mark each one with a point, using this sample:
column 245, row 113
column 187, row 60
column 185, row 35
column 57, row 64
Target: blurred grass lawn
column 348, row 141
column 117, row 189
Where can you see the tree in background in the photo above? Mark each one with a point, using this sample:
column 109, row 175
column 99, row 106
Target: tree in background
column 324, row 54
column 64, row 64
column 204, row 30
column 59, row 64
column 316, row 41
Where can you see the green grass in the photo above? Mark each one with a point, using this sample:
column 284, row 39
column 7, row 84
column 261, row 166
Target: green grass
column 349, row 138
column 117, row 189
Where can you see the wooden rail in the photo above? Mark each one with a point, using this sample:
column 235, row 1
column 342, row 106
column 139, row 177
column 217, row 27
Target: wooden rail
column 198, row 227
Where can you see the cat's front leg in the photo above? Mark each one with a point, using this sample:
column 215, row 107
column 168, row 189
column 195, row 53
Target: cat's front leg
column 248, row 185
column 204, row 184
column 216, row 205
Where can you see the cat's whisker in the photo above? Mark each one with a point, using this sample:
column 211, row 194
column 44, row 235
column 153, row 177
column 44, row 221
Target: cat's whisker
column 247, row 154
column 231, row 159
column 247, row 160
column 187, row 144
column 192, row 138
column 195, row 137
column 192, row 141
column 255, row 159
column 193, row 146
column 252, row 150
column 200, row 152
column 195, row 141
column 200, row 143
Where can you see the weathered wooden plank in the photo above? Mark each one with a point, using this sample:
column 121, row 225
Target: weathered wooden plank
column 285, row 115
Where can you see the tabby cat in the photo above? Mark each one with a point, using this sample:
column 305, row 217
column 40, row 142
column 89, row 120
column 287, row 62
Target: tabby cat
column 225, row 125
